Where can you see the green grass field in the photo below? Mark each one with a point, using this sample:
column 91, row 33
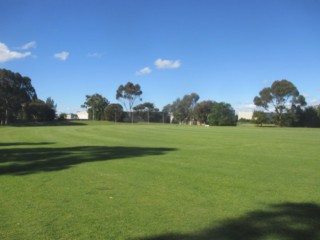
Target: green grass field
column 104, row 181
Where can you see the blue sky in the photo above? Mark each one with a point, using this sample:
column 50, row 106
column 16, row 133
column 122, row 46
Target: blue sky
column 226, row 50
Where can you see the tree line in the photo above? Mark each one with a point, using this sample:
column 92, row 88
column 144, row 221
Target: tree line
column 185, row 110
column 280, row 104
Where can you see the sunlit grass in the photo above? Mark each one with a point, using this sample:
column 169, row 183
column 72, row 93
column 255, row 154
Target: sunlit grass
column 121, row 181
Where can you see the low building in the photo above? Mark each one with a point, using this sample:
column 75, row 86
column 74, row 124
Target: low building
column 72, row 116
column 83, row 115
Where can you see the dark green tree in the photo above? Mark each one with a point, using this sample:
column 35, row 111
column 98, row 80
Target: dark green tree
column 114, row 112
column 202, row 111
column 183, row 109
column 222, row 114
column 95, row 104
column 167, row 108
column 62, row 116
column 177, row 110
column 50, row 103
column 15, row 92
column 144, row 107
column 38, row 110
column 52, row 109
column 284, row 98
column 188, row 104
column 147, row 111
column 259, row 117
column 166, row 113
column 311, row 117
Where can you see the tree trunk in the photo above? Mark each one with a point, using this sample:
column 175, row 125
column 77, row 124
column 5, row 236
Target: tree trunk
column 7, row 113
column 6, row 120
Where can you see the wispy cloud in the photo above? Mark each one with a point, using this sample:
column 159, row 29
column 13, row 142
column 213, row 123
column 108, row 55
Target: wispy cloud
column 143, row 71
column 6, row 54
column 314, row 101
column 266, row 81
column 95, row 55
column 167, row 64
column 28, row 45
column 61, row 56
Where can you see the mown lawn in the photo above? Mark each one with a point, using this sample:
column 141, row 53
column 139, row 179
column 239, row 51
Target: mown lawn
column 121, row 181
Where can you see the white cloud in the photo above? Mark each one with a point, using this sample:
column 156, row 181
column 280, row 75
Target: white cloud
column 163, row 63
column 29, row 45
column 143, row 71
column 245, row 107
column 61, row 56
column 311, row 100
column 6, row 54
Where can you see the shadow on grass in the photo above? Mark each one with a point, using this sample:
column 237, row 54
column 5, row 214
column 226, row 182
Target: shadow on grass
column 49, row 124
column 289, row 221
column 21, row 161
column 23, row 144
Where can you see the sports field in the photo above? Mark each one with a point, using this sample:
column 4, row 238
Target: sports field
column 98, row 180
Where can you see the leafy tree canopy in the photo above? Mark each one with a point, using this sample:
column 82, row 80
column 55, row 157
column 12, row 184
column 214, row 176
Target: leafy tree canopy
column 147, row 106
column 283, row 97
column 50, row 103
column 259, row 117
column 114, row 112
column 129, row 93
column 167, row 108
column 96, row 104
column 15, row 91
column 222, row 114
column 202, row 110
column 39, row 110
column 183, row 109
column 310, row 117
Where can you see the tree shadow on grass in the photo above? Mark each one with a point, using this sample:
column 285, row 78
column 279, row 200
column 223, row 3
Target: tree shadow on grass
column 21, row 161
column 289, row 221
column 6, row 144
column 49, row 124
